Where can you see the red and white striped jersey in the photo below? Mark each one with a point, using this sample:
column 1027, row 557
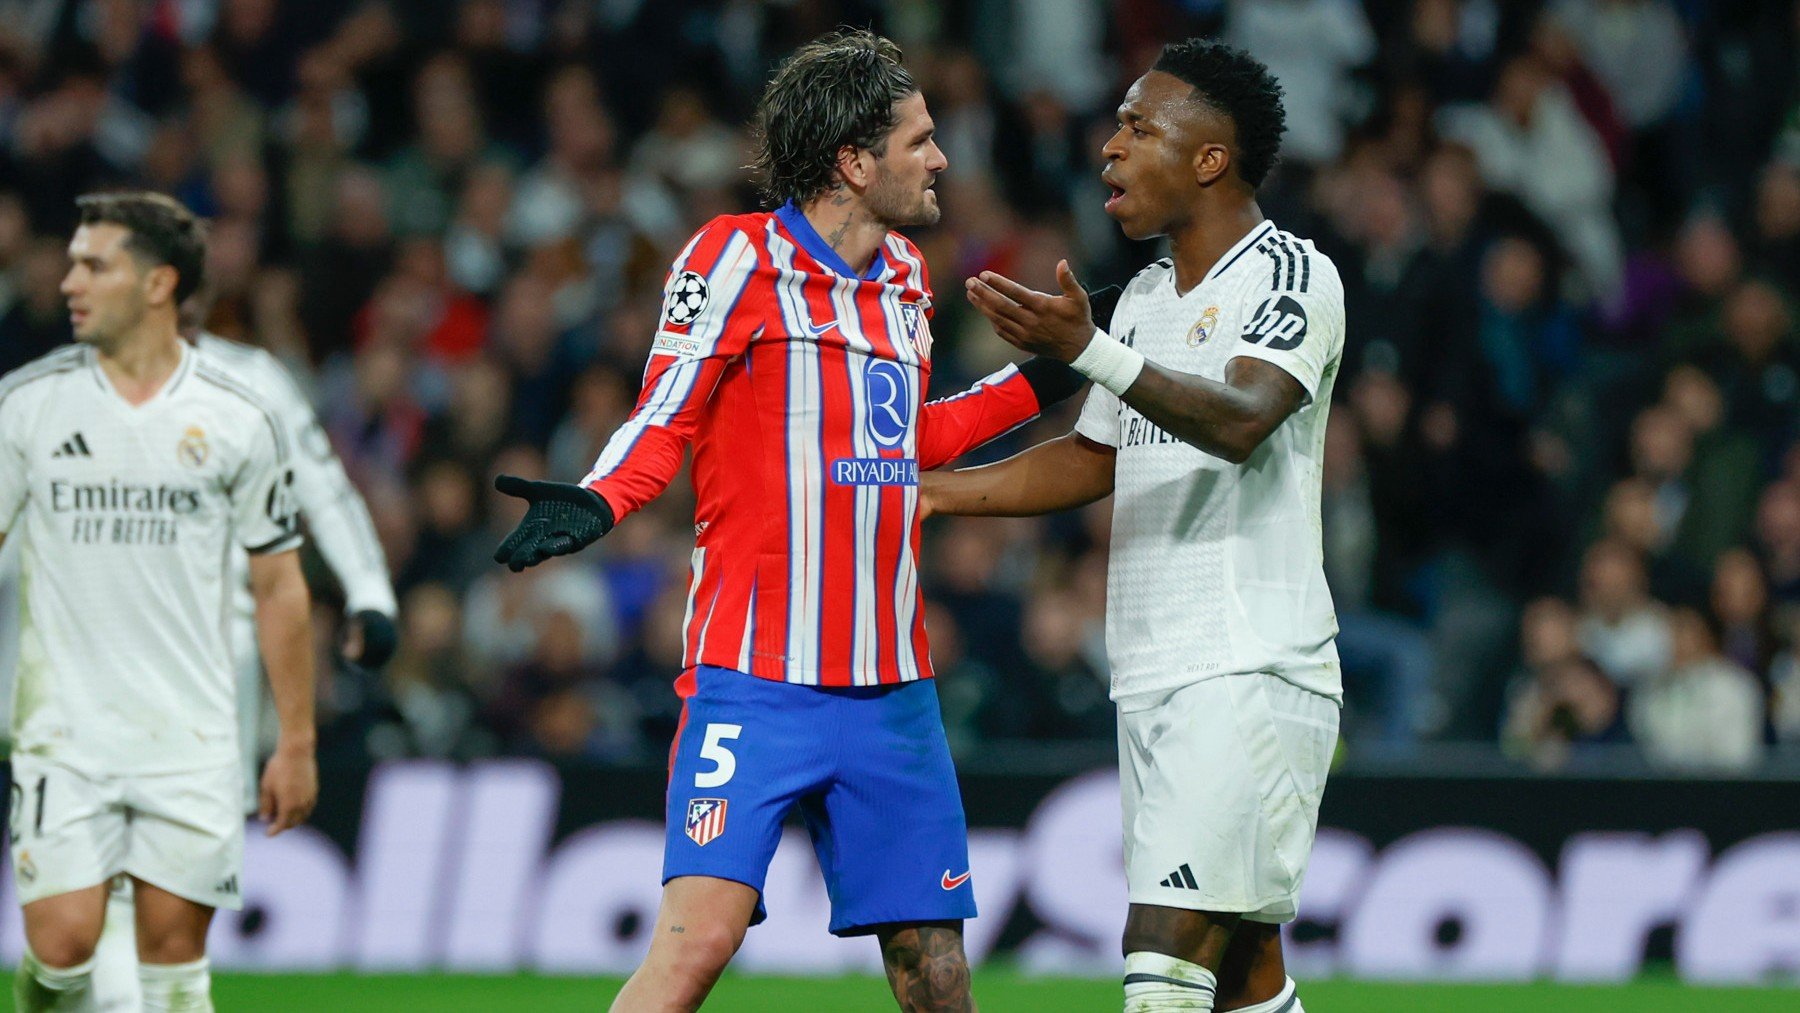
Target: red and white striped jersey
column 800, row 385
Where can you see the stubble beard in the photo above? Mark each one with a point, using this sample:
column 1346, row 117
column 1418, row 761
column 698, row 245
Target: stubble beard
column 890, row 205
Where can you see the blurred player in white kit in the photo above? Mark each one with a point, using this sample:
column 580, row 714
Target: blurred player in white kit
column 339, row 525
column 131, row 465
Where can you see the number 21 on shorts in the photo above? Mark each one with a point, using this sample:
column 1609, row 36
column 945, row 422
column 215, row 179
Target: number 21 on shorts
column 712, row 747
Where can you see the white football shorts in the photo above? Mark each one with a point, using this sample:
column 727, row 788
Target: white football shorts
column 1221, row 781
column 182, row 832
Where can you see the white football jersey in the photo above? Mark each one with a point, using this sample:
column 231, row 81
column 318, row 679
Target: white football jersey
column 125, row 517
column 337, row 520
column 1217, row 568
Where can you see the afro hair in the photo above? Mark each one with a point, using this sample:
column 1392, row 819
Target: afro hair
column 1237, row 85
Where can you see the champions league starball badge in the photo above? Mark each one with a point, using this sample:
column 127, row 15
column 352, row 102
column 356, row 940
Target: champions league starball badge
column 687, row 297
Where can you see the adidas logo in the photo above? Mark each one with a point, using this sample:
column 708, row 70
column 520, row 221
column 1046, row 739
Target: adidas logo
column 228, row 885
column 1181, row 879
column 74, row 446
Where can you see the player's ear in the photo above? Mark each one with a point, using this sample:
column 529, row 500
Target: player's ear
column 1212, row 162
column 159, row 284
column 855, row 166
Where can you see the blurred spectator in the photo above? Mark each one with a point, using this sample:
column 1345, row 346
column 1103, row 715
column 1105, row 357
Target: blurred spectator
column 1630, row 517
column 1622, row 629
column 1721, row 479
column 1745, row 624
column 1778, row 540
column 341, row 272
column 1531, row 141
column 557, row 703
column 37, row 319
column 502, row 613
column 425, row 177
column 1775, row 243
column 1386, row 659
column 1758, row 366
column 1705, row 715
column 1709, row 264
column 1310, row 46
column 429, row 680
column 1071, row 693
column 1562, row 702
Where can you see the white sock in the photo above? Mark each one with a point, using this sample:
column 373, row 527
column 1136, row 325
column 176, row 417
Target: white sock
column 115, row 958
column 177, row 987
column 38, row 988
column 1155, row 982
column 1285, row 1001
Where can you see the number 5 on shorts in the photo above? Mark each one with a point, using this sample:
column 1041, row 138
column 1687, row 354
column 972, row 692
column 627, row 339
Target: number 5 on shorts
column 712, row 747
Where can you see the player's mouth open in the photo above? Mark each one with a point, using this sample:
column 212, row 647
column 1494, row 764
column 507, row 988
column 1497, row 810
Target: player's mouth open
column 1118, row 194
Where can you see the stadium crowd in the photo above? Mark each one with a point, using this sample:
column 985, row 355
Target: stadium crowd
column 1562, row 483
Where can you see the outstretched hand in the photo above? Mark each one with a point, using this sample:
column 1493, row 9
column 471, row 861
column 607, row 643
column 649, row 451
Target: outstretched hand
column 1056, row 326
column 562, row 518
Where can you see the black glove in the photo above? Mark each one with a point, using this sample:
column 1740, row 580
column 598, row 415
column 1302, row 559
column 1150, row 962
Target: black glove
column 563, row 518
column 379, row 638
column 1050, row 380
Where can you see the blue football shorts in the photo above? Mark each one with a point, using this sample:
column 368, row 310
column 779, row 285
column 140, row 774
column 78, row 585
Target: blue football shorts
column 867, row 766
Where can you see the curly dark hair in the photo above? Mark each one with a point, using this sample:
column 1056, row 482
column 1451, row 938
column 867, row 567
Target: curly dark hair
column 837, row 90
column 163, row 231
column 1237, row 85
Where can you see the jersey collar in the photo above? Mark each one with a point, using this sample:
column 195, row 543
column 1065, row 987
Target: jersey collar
column 1264, row 229
column 815, row 245
column 163, row 393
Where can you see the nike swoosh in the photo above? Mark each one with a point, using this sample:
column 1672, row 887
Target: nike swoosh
column 818, row 330
column 952, row 882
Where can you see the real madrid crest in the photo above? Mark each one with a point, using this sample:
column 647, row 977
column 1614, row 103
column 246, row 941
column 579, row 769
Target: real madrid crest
column 193, row 449
column 1203, row 328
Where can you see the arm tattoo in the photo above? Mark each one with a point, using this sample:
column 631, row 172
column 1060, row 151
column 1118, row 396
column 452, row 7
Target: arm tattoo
column 927, row 969
column 1228, row 419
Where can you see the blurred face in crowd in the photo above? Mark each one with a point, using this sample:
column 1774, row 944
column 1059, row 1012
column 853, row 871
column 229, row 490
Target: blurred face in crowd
column 1662, row 445
column 1739, row 593
column 1512, row 275
column 1695, row 397
column 1756, row 320
column 1612, row 580
column 900, row 184
column 1167, row 148
column 1778, row 202
column 1631, row 515
column 109, row 291
column 1690, row 639
column 1547, row 632
column 1778, row 518
column 1707, row 256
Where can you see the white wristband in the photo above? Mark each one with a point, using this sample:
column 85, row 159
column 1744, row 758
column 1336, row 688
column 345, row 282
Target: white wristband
column 1109, row 363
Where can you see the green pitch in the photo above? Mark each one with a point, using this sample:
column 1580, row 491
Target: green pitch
column 998, row 992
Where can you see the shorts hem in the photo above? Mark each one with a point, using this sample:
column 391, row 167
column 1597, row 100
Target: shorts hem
column 1255, row 911
column 205, row 898
column 667, row 876
column 32, row 897
column 868, row 926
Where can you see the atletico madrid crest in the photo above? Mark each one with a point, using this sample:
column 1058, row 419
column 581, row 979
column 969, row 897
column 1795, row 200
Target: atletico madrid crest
column 918, row 331
column 705, row 819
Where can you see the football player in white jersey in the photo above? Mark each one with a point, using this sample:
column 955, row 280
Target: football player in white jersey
column 338, row 522
column 130, row 465
column 1207, row 423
